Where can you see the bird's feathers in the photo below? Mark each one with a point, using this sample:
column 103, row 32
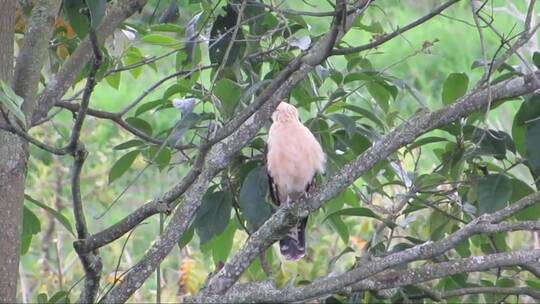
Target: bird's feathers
column 293, row 245
column 293, row 157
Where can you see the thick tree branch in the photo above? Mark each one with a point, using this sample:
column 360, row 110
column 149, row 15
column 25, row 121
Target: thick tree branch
column 32, row 55
column 265, row 292
column 116, row 231
column 115, row 117
column 12, row 181
column 220, row 153
column 30, row 139
column 366, row 277
column 438, row 296
column 57, row 87
column 398, row 278
column 420, row 123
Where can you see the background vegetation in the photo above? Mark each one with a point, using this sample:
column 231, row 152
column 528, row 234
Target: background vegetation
column 423, row 192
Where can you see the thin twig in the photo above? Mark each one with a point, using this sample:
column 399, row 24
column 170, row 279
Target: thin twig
column 91, row 261
column 399, row 31
column 184, row 74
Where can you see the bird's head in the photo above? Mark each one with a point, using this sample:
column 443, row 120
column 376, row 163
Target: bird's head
column 285, row 113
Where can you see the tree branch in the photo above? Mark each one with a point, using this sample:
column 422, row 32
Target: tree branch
column 9, row 128
column 32, row 55
column 398, row 278
column 57, row 87
column 366, row 277
column 399, row 31
column 116, row 231
column 115, row 117
column 91, row 261
column 156, row 85
column 420, row 123
column 437, row 296
column 218, row 156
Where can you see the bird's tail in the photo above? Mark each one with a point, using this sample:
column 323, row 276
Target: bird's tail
column 293, row 246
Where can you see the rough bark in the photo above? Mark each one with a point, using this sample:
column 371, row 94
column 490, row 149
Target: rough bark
column 13, row 149
column 33, row 51
column 11, row 166
column 56, row 88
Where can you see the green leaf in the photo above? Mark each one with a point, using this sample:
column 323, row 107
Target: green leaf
column 26, row 240
column 463, row 249
column 133, row 56
column 252, row 198
column 97, row 10
column 181, row 59
column 213, row 215
column 57, row 215
column 375, row 27
column 340, row 227
column 529, row 110
column 186, row 237
column 429, row 180
column 380, row 94
column 533, row 284
column 360, row 212
column 491, row 142
column 368, row 114
column 527, row 113
column 42, row 298
column 358, row 76
column 59, row 297
column 181, row 87
column 31, row 223
column 6, row 89
column 122, row 165
column 42, row 155
column 79, row 22
column 347, row 123
column 145, row 107
column 140, row 124
column 229, row 93
column 222, row 244
column 167, row 27
column 159, row 39
column 438, row 225
column 493, row 192
column 426, row 140
column 30, row 226
column 505, row 282
column 129, row 144
column 532, row 146
column 114, row 80
column 536, row 59
column 520, row 189
column 454, row 87
column 162, row 159
column 12, row 102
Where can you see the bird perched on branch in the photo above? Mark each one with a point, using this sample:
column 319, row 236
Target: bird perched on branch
column 293, row 158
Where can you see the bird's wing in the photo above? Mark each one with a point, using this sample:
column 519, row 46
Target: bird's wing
column 274, row 194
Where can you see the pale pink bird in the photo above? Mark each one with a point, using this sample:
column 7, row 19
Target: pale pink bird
column 293, row 158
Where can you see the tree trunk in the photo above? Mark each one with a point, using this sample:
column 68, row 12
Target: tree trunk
column 13, row 156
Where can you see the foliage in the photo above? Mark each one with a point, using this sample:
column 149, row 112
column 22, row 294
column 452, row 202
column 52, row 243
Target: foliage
column 172, row 85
